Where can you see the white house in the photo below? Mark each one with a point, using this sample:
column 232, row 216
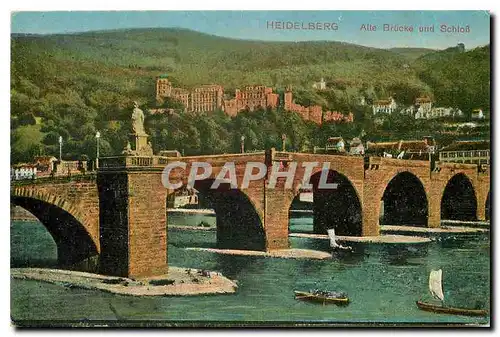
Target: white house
column 424, row 106
column 23, row 171
column 387, row 106
column 438, row 112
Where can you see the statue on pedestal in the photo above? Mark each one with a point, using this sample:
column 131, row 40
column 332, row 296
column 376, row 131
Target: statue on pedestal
column 138, row 120
column 138, row 144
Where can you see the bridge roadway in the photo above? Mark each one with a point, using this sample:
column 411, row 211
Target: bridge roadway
column 120, row 213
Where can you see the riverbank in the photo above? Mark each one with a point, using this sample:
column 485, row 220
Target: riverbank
column 292, row 253
column 366, row 239
column 178, row 282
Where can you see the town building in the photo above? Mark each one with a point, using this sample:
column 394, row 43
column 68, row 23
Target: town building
column 69, row 167
column 467, row 152
column 356, row 147
column 426, row 111
column 251, row 98
column 403, row 149
column 45, row 165
column 387, row 106
column 23, row 171
column 423, row 106
column 335, row 144
column 441, row 112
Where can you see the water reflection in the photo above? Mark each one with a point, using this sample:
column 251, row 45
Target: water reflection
column 233, row 265
column 403, row 255
column 356, row 256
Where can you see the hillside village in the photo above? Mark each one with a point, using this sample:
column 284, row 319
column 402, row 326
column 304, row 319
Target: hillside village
column 211, row 97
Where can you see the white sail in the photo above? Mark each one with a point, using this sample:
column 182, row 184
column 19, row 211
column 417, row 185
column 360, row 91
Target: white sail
column 435, row 284
column 333, row 241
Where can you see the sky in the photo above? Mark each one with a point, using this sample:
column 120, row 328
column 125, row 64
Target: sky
column 256, row 25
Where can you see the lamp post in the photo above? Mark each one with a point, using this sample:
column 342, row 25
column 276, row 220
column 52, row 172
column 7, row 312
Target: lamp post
column 242, row 144
column 97, row 136
column 283, row 138
column 60, row 148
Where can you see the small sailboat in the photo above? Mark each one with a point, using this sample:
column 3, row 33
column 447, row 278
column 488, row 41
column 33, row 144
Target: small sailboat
column 333, row 241
column 436, row 289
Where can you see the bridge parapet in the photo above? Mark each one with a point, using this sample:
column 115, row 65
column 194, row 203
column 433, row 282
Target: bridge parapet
column 125, row 162
column 458, row 166
column 55, row 180
column 401, row 162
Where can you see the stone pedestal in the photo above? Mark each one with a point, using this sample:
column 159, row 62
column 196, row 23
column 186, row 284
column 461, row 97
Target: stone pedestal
column 139, row 145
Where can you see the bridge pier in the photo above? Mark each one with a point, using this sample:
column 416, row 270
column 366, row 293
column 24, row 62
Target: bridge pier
column 482, row 195
column 434, row 205
column 371, row 212
column 132, row 223
column 276, row 218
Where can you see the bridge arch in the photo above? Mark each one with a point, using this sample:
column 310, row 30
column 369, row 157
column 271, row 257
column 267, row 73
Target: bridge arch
column 75, row 245
column 339, row 207
column 404, row 201
column 459, row 199
column 239, row 225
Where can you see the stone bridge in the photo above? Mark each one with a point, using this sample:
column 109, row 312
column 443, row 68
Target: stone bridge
column 120, row 213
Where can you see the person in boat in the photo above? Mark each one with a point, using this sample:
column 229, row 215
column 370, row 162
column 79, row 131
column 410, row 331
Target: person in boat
column 339, row 246
column 330, row 294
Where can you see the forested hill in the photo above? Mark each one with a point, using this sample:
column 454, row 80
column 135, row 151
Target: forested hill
column 193, row 58
column 458, row 78
column 75, row 84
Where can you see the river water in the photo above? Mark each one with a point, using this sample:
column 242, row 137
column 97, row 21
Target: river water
column 383, row 282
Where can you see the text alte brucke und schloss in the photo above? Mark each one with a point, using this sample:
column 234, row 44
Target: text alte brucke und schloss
column 368, row 27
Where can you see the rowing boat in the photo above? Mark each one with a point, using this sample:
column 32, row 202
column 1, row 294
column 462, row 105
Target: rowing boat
column 322, row 297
